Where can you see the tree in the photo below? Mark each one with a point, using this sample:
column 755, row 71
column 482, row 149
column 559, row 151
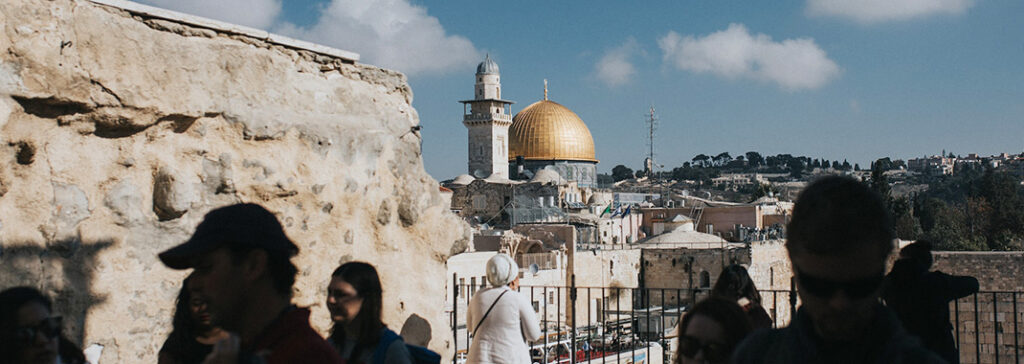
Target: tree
column 755, row 159
column 796, row 168
column 722, row 159
column 836, row 165
column 846, row 165
column 702, row 159
column 880, row 183
column 856, row 166
column 639, row 173
column 621, row 172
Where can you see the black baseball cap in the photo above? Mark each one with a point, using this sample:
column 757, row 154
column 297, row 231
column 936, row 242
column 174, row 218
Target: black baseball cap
column 241, row 224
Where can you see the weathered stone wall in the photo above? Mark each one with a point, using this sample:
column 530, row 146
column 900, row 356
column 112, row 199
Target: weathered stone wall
column 680, row 275
column 772, row 273
column 119, row 132
column 996, row 271
column 990, row 321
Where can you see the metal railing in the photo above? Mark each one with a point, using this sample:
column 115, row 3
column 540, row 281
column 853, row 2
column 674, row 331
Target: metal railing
column 618, row 324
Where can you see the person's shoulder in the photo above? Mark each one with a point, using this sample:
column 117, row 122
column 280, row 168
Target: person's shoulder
column 758, row 345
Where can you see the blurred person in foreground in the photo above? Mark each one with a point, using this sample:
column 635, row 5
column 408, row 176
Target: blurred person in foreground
column 30, row 333
column 241, row 261
column 838, row 241
column 735, row 284
column 921, row 298
column 501, row 319
column 193, row 334
column 710, row 331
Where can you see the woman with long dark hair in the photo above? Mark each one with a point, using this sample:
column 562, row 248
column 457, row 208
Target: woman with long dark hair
column 354, row 298
column 193, row 334
column 735, row 284
column 710, row 331
column 29, row 333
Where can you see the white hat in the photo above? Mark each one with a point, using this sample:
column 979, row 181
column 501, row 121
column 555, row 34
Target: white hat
column 501, row 270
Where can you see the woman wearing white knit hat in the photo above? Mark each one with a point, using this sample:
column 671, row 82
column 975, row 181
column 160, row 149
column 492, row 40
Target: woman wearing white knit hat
column 500, row 318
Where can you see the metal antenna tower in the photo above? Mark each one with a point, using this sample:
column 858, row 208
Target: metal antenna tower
column 652, row 124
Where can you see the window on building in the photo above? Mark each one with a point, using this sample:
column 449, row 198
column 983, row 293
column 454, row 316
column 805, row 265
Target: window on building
column 705, row 279
column 551, row 298
column 462, row 287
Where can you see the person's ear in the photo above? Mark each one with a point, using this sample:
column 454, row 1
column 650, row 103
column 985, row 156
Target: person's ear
column 255, row 265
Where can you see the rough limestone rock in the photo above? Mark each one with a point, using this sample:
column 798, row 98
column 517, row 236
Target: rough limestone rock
column 118, row 132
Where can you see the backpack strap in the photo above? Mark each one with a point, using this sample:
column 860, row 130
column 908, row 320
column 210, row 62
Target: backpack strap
column 481, row 322
column 386, row 338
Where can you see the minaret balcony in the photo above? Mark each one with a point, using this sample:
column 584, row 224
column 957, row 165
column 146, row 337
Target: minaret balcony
column 487, row 118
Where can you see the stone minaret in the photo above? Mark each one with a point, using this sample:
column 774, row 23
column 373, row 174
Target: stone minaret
column 487, row 117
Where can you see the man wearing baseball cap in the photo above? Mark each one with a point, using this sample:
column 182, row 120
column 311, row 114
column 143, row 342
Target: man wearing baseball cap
column 241, row 261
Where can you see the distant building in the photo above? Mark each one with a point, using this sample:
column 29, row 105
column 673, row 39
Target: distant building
column 935, row 165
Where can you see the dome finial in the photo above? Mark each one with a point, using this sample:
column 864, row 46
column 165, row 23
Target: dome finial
column 545, row 89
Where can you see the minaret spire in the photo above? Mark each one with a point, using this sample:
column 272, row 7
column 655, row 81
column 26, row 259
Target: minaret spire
column 545, row 89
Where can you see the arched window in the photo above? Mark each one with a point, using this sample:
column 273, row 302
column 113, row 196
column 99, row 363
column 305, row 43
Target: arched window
column 705, row 279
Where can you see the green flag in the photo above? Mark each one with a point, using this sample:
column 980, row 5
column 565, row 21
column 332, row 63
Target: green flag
column 606, row 210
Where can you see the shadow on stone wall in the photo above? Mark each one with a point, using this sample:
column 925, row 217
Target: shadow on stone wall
column 416, row 330
column 62, row 270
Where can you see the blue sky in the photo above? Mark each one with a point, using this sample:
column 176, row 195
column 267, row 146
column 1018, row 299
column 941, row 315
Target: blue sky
column 834, row 79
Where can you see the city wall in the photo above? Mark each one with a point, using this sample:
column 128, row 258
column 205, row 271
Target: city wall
column 119, row 130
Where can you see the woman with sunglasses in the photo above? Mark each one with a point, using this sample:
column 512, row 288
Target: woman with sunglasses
column 710, row 331
column 354, row 298
column 193, row 335
column 29, row 333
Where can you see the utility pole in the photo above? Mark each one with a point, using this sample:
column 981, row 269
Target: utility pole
column 651, row 125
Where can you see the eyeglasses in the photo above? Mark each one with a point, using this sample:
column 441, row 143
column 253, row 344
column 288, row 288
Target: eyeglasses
column 856, row 289
column 689, row 346
column 49, row 328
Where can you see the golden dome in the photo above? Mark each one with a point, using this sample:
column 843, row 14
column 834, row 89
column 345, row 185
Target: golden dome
column 546, row 130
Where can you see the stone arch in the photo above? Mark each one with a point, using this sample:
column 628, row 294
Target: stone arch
column 705, row 279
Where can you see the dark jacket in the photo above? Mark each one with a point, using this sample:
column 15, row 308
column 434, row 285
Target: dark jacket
column 885, row 342
column 921, row 301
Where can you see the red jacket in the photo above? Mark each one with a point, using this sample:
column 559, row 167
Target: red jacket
column 290, row 339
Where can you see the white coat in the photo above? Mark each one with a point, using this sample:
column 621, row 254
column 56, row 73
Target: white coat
column 499, row 339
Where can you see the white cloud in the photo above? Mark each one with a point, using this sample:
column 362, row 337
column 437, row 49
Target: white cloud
column 389, row 33
column 259, row 14
column 871, row 11
column 614, row 68
column 736, row 54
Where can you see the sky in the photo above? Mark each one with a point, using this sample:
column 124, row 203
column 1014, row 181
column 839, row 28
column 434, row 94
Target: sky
column 833, row 79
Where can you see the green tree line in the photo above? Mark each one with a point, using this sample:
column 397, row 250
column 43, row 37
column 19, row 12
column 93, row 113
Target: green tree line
column 976, row 208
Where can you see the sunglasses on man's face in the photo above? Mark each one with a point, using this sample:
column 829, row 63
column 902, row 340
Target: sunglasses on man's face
column 825, row 288
column 689, row 346
column 49, row 328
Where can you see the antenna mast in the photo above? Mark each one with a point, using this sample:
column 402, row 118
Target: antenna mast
column 652, row 124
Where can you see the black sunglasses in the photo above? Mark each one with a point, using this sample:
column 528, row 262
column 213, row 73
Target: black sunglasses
column 857, row 289
column 49, row 328
column 715, row 352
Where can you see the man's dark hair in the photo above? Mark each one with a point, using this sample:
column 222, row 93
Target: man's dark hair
column 279, row 266
column 837, row 215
